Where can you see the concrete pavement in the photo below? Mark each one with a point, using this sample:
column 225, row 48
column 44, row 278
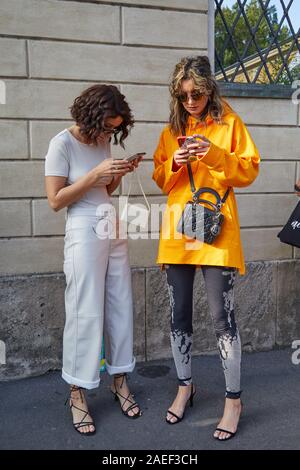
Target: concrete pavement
column 33, row 415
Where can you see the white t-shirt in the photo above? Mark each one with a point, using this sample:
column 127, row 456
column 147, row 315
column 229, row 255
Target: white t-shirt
column 68, row 157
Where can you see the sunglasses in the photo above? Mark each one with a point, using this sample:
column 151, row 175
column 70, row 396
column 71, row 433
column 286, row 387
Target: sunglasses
column 110, row 130
column 195, row 95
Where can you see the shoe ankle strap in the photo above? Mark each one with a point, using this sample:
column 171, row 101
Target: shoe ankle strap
column 76, row 388
column 119, row 376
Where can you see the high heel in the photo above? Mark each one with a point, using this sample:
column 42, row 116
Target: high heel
column 132, row 406
column 231, row 434
column 81, row 423
column 191, row 403
column 191, row 399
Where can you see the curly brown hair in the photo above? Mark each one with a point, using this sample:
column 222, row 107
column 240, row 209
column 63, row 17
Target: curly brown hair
column 198, row 69
column 97, row 103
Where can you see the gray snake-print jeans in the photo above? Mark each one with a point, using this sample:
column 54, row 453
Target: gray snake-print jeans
column 219, row 283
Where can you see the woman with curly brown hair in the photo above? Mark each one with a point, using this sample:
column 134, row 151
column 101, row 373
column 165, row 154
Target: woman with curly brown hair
column 81, row 175
column 222, row 156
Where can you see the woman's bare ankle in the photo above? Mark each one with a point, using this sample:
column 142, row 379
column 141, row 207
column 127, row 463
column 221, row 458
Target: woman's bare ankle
column 184, row 389
column 233, row 402
column 76, row 393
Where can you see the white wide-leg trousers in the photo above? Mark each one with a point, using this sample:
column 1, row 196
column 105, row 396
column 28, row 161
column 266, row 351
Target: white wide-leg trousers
column 98, row 299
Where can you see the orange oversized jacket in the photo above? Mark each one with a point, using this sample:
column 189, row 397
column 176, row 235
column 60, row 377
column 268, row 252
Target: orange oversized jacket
column 232, row 160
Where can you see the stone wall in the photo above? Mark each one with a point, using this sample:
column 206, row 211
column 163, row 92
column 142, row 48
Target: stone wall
column 50, row 50
column 267, row 311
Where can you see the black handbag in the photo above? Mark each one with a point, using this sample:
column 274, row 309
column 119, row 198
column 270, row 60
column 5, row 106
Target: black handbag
column 290, row 233
column 198, row 221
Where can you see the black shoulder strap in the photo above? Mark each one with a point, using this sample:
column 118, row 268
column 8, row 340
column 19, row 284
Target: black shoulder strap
column 226, row 195
column 192, row 182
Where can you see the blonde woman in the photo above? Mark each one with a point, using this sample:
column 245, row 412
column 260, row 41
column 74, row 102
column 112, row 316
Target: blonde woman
column 224, row 157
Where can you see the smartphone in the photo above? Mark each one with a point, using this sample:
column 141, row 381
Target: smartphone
column 183, row 141
column 297, row 188
column 135, row 156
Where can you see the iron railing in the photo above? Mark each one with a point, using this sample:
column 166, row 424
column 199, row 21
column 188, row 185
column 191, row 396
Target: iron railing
column 253, row 45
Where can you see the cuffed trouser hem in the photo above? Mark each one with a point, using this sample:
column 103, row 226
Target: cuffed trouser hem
column 119, row 369
column 233, row 395
column 80, row 383
column 185, row 382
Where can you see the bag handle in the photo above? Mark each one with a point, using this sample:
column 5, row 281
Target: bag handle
column 140, row 185
column 207, row 190
column 215, row 207
column 196, row 193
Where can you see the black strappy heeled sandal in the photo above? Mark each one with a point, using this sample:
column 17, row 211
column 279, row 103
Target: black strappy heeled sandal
column 231, row 434
column 132, row 405
column 81, row 423
column 180, row 418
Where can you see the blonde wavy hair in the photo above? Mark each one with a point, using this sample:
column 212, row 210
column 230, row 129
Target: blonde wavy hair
column 198, row 69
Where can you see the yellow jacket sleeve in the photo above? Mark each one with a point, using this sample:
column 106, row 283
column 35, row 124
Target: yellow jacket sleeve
column 240, row 166
column 163, row 174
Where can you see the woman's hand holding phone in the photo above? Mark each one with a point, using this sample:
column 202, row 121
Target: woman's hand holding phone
column 196, row 145
column 181, row 157
column 199, row 148
column 135, row 159
column 112, row 167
